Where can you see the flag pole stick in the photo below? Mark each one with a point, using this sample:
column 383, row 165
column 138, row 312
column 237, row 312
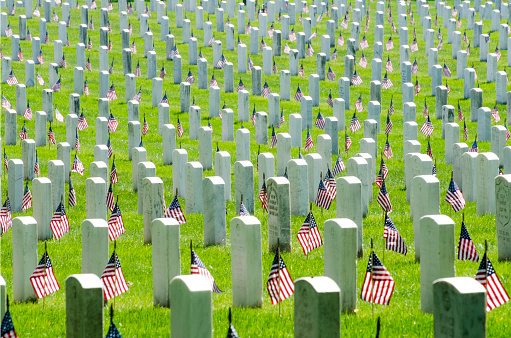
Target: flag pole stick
column 371, row 277
column 278, row 267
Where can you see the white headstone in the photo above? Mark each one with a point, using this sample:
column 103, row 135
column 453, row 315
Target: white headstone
column 24, row 257
column 214, row 211
column 279, row 214
column 94, row 246
column 152, row 204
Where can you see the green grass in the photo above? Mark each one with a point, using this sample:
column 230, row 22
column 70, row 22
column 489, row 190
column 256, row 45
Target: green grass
column 135, row 315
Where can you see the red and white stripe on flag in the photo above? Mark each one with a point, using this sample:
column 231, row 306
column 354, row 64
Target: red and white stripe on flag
column 43, row 279
column 113, row 279
column 308, row 235
column 280, row 285
column 378, row 284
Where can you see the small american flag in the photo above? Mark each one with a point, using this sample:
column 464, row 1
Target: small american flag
column 446, row 71
column 454, row 197
column 164, row 99
column 110, row 44
column 145, row 128
column 110, row 198
column 415, row 67
column 5, row 214
column 301, row 71
column 496, row 295
column 320, row 121
column 72, row 201
column 465, row 37
column 11, row 79
column 113, row 278
column 130, row 29
column 308, row 235
column 88, row 65
column 460, row 113
column 334, row 55
column 389, row 125
column 113, row 173
column 393, row 240
column 263, row 197
column 329, row 182
column 115, row 224
column 58, row 115
column 331, row 74
column 330, row 100
column 282, row 119
column 91, row 25
column 59, row 223
column 86, row 88
column 55, row 17
column 473, row 148
column 280, row 285
column 43, row 279
column 417, row 87
column 93, row 5
column 313, row 36
column 324, row 198
column 56, row 86
column 110, row 6
column 5, row 103
column 508, row 133
column 36, row 164
column 320, row 17
column 382, row 174
column 77, row 166
column 138, row 96
column 220, row 63
column 175, row 211
column 173, row 52
column 497, row 51
column 495, row 113
column 253, row 117
column 429, row 151
column 338, row 166
column 40, row 79
column 243, row 210
column 344, row 23
column 180, row 130
column 287, row 49
column 133, row 47
column 271, row 30
column 308, row 142
column 390, row 44
column 29, row 35
column 273, row 141
column 40, row 57
column 89, row 45
column 23, row 132
column 111, row 94
column 28, row 112
column 249, row 27
column 356, row 79
column 82, row 122
column 51, row 136
column 138, row 73
column 383, row 198
column 354, row 124
column 310, row 51
column 198, row 268
column 387, row 150
column 163, row 72
column 340, row 40
column 111, row 69
column 466, row 247
column 363, row 43
column 189, row 78
column 386, row 82
column 465, row 130
column 26, row 202
column 292, row 35
column 77, row 141
column 46, row 38
column 414, row 47
column 274, row 68
column 458, row 23
column 378, row 285
column 266, row 90
column 388, row 65
column 8, row 30
column 363, row 61
column 37, row 13
column 439, row 34
column 213, row 82
column 241, row 86
column 433, row 169
column 250, row 64
column 358, row 104
column 263, row 44
column 427, row 128
column 440, row 44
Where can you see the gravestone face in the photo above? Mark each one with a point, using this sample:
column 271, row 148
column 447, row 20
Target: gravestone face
column 193, row 187
column 15, row 185
column 279, row 214
column 487, row 168
column 94, row 246
column 223, row 169
column 179, row 160
column 205, row 147
column 43, row 209
column 299, row 193
column 503, row 212
column 24, row 257
column 246, row 260
column 145, row 169
column 95, row 191
column 317, row 307
column 152, row 204
column 358, row 167
column 214, row 211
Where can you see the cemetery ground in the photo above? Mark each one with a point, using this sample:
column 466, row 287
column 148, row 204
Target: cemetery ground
column 135, row 314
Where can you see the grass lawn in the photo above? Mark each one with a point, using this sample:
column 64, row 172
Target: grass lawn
column 135, row 314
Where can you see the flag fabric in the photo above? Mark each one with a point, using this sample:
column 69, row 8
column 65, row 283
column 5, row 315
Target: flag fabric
column 465, row 38
column 89, row 45
column 266, row 90
column 36, row 165
column 338, row 166
column 320, row 121
column 189, row 78
column 113, row 278
column 243, row 210
column 113, row 173
column 497, row 51
column 387, row 150
column 109, row 147
column 496, row 295
column 72, row 194
column 7, row 328
column 281, row 121
column 110, row 198
column 393, row 240
column 280, row 284
column 263, row 197
column 173, row 52
column 174, row 211
column 86, row 88
column 77, row 166
column 330, row 100
column 495, row 113
column 59, row 223
column 329, row 182
column 51, row 136
column 213, row 82
column 77, row 141
column 331, row 74
column 8, row 30
column 274, row 68
column 378, row 284
column 241, row 86
column 390, row 44
column 23, row 132
column 20, row 54
column 433, row 170
column 198, row 268
column 5, row 103
column 180, row 130
column 11, row 79
column 440, row 44
column 473, row 148
column 273, row 141
column 28, row 112
column 358, row 104
column 253, row 117
column 340, row 39
column 43, row 279
column 454, row 197
column 508, row 133
column 310, row 51
column 388, row 65
column 89, row 66
column 415, row 67
column 308, row 235
column 356, row 79
column 383, row 198
column 386, row 82
column 82, row 122
column 414, row 47
column 446, row 71
column 6, row 215
column 56, row 86
column 460, row 113
column 466, row 247
column 324, row 198
column 221, row 62
column 164, row 99
column 465, row 130
column 301, row 71
column 111, row 94
column 308, row 142
column 138, row 95
column 382, row 174
column 63, row 62
column 363, row 43
column 112, row 123
column 298, row 94
column 389, row 125
column 115, row 224
column 425, row 110
column 250, row 64
column 40, row 57
column 363, row 61
column 334, row 55
column 417, row 87
column 27, row 198
column 287, row 49
column 354, row 124
column 427, row 128
column 429, row 151
column 138, row 73
column 145, row 128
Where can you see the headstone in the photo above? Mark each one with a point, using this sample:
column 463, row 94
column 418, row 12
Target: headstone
column 24, row 257
column 484, row 124
column 193, row 187
column 469, row 177
column 244, row 185
column 28, row 155
column 214, row 211
column 95, row 192
column 261, row 128
column 279, row 214
column 94, row 245
column 223, row 170
column 145, row 169
column 299, row 193
column 242, row 144
column 486, row 169
column 43, row 209
column 205, row 147
column 152, row 204
column 358, row 167
column 266, row 167
column 179, row 160
column 452, row 136
column 64, row 155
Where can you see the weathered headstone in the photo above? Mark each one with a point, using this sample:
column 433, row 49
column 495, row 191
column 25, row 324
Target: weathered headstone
column 24, row 257
column 94, row 246
column 279, row 214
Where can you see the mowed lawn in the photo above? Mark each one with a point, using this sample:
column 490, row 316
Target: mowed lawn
column 135, row 314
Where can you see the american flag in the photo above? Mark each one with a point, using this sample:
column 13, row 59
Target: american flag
column 439, row 34
column 383, row 198
column 339, row 166
column 263, row 197
column 130, row 29
column 91, row 25
column 263, row 44
column 77, row 141
column 163, row 72
column 271, row 30
column 46, row 38
column 417, row 87
column 378, row 284
column 497, row 51
column 390, row 44
column 111, row 69
column 414, row 47
column 43, row 279
column 275, row 70
column 388, row 65
column 298, row 94
column 496, row 295
column 58, row 115
column 6, row 215
column 313, row 36
column 354, row 124
column 51, row 136
column 110, row 6
column 340, row 40
column 301, row 71
column 356, row 79
column 28, row 112
column 308, row 142
column 164, row 99
column 292, row 35
column 40, row 57
column 495, row 113
column 280, row 284
column 89, row 45
column 253, row 117
column 429, row 151
column 508, row 133
column 466, row 247
column 11, row 79
column 415, row 67
column 56, row 86
column 273, row 141
column 465, row 130
column 358, row 104
column 446, row 71
column 86, row 88
column 329, row 182
column 382, row 174
column 68, row 23
column 363, row 61
column 250, row 64
column 40, row 79
column 36, row 164
column 308, row 235
column 266, row 90
column 113, row 173
column 243, row 210
column 344, row 24
column 310, row 51
column 82, row 122
column 77, row 166
column 55, row 17
column 249, row 27
column 111, row 94
column 393, row 240
column 281, row 121
column 213, row 82
column 427, row 128
column 198, row 268
column 241, row 86
column 460, row 113
column 8, row 30
column 115, row 224
column 320, row 121
column 173, row 52
column 113, row 278
column 180, row 130
column 175, row 211
column 387, row 150
column 287, row 49
column 72, row 194
column 386, row 82
column 23, row 132
column 88, row 65
column 334, row 55
column 145, row 128
column 138, row 73
column 37, row 13
column 320, row 17
column 440, row 44
column 363, row 43
column 27, row 198
column 454, row 197
column 324, row 198
column 5, row 103
column 330, row 100
column 110, row 198
column 389, row 125
column 59, row 223
column 331, row 74
column 465, row 38
column 138, row 96
column 29, row 35
column 473, row 148
column 190, row 79
column 220, row 63
column 133, row 47
column 7, row 328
